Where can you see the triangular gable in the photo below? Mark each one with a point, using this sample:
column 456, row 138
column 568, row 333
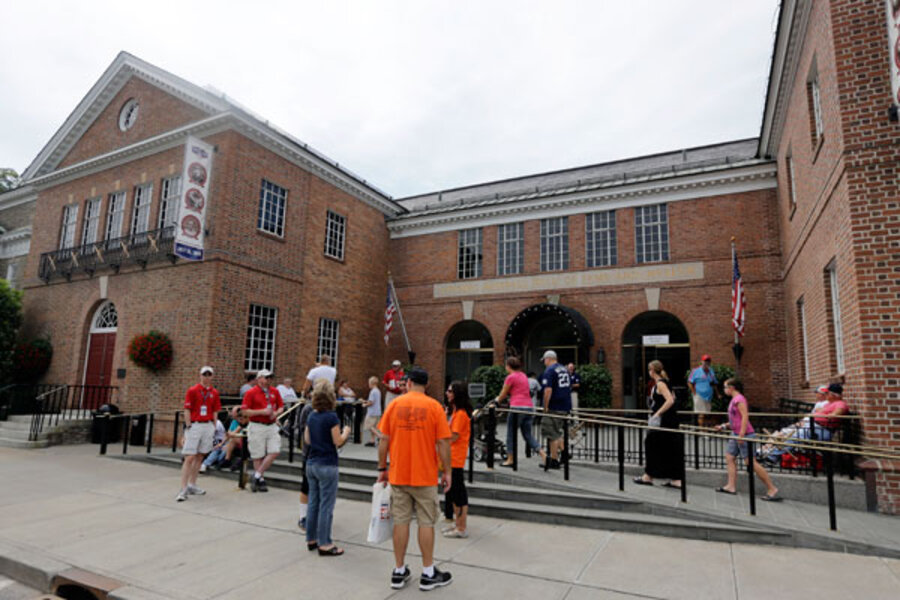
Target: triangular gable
column 99, row 100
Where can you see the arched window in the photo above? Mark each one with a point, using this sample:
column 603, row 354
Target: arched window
column 653, row 335
column 469, row 346
column 106, row 319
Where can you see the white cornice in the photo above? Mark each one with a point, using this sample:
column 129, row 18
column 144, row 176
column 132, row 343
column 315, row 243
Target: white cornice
column 20, row 195
column 793, row 22
column 734, row 180
column 15, row 243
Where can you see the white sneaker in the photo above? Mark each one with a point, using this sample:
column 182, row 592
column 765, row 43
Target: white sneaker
column 203, row 468
column 182, row 496
column 195, row 491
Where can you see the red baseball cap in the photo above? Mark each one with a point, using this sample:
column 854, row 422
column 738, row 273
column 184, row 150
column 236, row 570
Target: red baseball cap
column 706, row 357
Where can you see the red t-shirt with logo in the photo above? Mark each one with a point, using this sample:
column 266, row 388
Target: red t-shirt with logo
column 392, row 379
column 203, row 403
column 257, row 399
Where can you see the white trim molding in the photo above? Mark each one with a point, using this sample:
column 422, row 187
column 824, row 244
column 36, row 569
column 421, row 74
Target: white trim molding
column 15, row 243
column 655, row 189
column 20, row 195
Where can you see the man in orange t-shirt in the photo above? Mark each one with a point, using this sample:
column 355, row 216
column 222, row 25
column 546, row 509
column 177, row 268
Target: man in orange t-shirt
column 415, row 432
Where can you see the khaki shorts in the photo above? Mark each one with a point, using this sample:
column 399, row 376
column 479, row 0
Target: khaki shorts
column 550, row 427
column 701, row 405
column 198, row 439
column 371, row 423
column 408, row 500
column 263, row 440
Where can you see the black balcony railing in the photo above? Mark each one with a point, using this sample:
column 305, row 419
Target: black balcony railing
column 134, row 249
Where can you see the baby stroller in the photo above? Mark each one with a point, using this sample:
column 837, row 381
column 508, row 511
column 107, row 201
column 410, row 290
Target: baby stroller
column 479, row 432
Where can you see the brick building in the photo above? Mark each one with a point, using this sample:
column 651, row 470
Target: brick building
column 589, row 261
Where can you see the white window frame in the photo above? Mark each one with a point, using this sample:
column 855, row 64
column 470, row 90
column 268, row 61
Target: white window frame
column 115, row 216
column 329, row 339
column 67, row 231
column 140, row 212
column 90, row 227
column 510, row 248
column 469, row 254
column 836, row 315
column 817, row 106
column 262, row 327
column 804, row 343
column 600, row 237
column 272, row 208
column 170, row 189
column 792, row 181
column 651, row 233
column 555, row 244
column 335, row 234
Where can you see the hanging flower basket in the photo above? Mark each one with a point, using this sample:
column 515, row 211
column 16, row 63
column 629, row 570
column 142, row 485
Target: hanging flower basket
column 31, row 359
column 152, row 351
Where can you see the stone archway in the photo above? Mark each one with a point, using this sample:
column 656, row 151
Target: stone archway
column 544, row 327
column 653, row 335
column 469, row 345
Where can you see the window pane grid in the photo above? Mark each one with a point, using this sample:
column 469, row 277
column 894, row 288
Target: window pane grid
column 260, row 350
column 114, row 217
column 67, row 233
column 817, row 108
column 510, row 248
column 601, row 239
column 836, row 317
column 91, row 225
column 272, row 200
column 140, row 215
column 555, row 244
column 651, row 233
column 335, row 230
column 168, row 201
column 329, row 332
column 469, row 257
column 801, row 316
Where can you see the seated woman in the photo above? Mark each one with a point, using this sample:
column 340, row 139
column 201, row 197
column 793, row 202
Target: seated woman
column 820, row 425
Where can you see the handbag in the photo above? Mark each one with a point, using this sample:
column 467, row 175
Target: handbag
column 381, row 525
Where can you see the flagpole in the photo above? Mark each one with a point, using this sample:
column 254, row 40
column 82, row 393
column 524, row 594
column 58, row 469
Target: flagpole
column 400, row 314
column 737, row 349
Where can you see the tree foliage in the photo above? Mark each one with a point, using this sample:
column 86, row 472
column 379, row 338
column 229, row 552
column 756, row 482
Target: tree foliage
column 9, row 179
column 492, row 377
column 10, row 320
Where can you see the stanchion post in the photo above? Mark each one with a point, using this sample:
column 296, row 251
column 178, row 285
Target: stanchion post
column 829, row 473
column 290, row 425
column 621, row 452
column 751, row 484
column 126, row 431
column 104, row 433
column 684, row 475
column 696, row 444
column 175, row 431
column 596, row 442
column 566, row 450
column 150, row 433
column 491, row 437
column 471, row 451
column 515, row 440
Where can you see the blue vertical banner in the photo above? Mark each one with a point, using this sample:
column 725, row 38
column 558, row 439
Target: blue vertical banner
column 190, row 223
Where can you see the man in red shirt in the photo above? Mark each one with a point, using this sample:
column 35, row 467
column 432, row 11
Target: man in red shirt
column 262, row 404
column 201, row 405
column 391, row 381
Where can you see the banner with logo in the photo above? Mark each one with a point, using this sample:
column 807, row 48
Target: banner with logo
column 893, row 20
column 194, row 200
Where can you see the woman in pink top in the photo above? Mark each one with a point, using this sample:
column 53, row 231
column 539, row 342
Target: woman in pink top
column 516, row 387
column 739, row 423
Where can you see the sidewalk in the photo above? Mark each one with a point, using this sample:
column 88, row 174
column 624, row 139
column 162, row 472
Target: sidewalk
column 119, row 519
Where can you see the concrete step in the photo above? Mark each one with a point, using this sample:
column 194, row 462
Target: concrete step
column 24, row 444
column 21, row 434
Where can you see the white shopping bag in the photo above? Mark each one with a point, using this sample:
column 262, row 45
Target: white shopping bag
column 381, row 526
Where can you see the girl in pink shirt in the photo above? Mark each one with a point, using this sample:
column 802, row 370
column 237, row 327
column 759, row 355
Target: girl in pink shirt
column 516, row 387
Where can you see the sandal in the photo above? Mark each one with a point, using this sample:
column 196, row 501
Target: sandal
column 312, row 546
column 768, row 498
column 333, row 551
column 669, row 484
column 722, row 490
column 641, row 481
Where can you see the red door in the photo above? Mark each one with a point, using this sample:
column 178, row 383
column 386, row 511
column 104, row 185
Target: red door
column 99, row 369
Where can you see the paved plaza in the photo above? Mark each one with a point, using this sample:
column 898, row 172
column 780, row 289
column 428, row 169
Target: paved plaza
column 66, row 507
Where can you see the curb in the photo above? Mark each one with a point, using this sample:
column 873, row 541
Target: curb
column 28, row 567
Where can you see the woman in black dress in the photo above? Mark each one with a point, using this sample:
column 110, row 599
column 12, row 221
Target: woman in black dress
column 664, row 448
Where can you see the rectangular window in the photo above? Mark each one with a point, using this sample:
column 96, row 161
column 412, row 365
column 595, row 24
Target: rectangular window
column 140, row 214
column 91, row 224
column 792, row 192
column 115, row 214
column 260, row 351
column 510, row 248
column 329, row 332
column 335, row 230
column 817, row 108
column 601, row 239
column 168, row 202
column 804, row 350
column 835, row 305
column 651, row 227
column 67, row 233
column 468, row 257
column 272, row 200
column 555, row 244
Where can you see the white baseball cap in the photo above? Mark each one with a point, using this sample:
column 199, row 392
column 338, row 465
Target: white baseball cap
column 264, row 373
column 206, row 368
column 549, row 354
column 396, row 363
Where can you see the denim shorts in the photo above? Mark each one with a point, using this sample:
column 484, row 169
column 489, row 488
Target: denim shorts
column 736, row 449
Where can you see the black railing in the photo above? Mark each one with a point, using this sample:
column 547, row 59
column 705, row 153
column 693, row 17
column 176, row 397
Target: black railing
column 134, row 249
column 19, row 398
column 67, row 402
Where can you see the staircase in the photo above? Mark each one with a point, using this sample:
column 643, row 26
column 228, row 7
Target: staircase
column 15, row 430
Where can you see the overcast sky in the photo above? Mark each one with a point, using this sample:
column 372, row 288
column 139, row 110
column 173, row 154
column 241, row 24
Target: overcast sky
column 422, row 95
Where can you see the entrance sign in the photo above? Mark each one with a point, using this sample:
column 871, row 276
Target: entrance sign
column 477, row 390
column 654, row 340
column 469, row 344
column 893, row 23
column 190, row 222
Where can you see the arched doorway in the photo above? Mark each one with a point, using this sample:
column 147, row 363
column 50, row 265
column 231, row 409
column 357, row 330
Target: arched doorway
column 100, row 347
column 545, row 327
column 653, row 335
column 469, row 346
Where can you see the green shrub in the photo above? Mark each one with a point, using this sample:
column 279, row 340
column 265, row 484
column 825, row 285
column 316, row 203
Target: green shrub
column 596, row 386
column 492, row 377
column 722, row 372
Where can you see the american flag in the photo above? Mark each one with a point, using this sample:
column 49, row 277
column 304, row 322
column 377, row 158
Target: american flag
column 389, row 311
column 738, row 300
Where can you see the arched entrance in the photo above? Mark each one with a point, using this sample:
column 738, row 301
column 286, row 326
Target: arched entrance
column 653, row 335
column 545, row 327
column 100, row 347
column 469, row 346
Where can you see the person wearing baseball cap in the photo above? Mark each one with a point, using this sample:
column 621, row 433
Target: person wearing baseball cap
column 391, row 381
column 557, row 400
column 201, row 405
column 262, row 404
column 703, row 384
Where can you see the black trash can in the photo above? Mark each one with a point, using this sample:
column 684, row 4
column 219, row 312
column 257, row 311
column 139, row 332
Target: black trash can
column 138, row 430
column 114, row 428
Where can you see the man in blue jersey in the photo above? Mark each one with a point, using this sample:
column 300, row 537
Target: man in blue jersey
column 556, row 383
